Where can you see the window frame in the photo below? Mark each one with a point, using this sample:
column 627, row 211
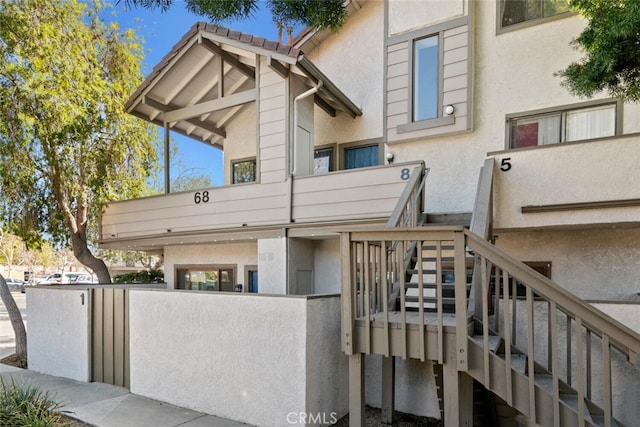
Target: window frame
column 244, row 160
column 333, row 162
column 528, row 23
column 618, row 120
column 360, row 144
column 410, row 38
column 206, row 267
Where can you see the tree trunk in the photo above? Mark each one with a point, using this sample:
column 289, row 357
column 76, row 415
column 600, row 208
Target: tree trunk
column 16, row 321
column 85, row 257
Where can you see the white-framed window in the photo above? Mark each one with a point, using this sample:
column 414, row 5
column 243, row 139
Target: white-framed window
column 514, row 12
column 244, row 171
column 562, row 125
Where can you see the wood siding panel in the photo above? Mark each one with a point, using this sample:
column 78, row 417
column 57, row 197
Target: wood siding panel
column 270, row 153
column 366, row 193
column 455, row 90
column 228, row 206
column 273, row 128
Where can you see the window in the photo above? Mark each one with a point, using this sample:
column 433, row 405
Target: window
column 425, row 78
column 361, row 157
column 562, row 126
column 517, row 11
column 323, row 160
column 207, row 278
column 244, row 171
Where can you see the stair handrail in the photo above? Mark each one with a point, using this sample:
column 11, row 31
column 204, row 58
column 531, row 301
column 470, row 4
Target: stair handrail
column 411, row 197
column 621, row 336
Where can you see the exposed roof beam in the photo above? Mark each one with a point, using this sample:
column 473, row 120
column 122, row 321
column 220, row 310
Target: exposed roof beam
column 237, row 85
column 209, row 106
column 168, row 109
column 230, row 59
column 278, row 67
column 324, row 105
column 341, row 99
column 180, row 131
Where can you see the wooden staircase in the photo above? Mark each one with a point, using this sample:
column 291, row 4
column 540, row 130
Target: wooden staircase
column 445, row 294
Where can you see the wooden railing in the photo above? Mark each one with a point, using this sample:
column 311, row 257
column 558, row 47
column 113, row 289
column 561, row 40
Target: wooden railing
column 409, row 207
column 374, row 261
column 553, row 328
column 578, row 345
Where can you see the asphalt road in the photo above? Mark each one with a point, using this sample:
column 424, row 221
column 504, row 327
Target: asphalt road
column 7, row 337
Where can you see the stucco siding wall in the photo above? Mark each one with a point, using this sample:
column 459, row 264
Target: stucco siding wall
column 595, row 171
column 272, row 266
column 242, row 142
column 327, row 277
column 238, row 254
column 243, row 357
column 327, row 366
column 600, row 264
column 407, row 15
column 58, row 339
column 415, row 386
column 353, row 60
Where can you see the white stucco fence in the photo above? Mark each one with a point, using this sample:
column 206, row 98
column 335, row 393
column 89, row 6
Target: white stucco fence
column 263, row 360
column 58, row 338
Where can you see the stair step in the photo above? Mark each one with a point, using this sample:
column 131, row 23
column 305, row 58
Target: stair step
column 519, row 363
column 494, row 342
column 571, row 400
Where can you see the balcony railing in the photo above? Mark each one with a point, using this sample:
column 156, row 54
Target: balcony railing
column 368, row 194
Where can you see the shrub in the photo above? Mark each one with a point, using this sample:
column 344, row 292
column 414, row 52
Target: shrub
column 146, row 276
column 28, row 406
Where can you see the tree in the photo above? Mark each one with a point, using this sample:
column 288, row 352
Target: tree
column 611, row 43
column 66, row 144
column 14, row 316
column 320, row 14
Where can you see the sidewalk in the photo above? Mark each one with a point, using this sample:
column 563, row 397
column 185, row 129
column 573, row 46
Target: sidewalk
column 104, row 405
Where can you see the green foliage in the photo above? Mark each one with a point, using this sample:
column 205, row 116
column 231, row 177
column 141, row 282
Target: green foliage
column 321, row 14
column 66, row 144
column 611, row 43
column 150, row 276
column 28, row 406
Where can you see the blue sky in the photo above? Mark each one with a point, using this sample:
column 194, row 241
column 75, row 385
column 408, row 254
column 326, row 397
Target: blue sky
column 160, row 32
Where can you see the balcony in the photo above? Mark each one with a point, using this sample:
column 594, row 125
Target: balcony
column 570, row 186
column 255, row 210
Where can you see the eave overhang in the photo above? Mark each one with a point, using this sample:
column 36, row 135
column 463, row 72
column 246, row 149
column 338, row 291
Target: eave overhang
column 209, row 76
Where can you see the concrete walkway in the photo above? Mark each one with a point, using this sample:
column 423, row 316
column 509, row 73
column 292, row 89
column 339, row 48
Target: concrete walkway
column 105, row 405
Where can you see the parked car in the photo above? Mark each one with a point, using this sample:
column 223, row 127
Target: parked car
column 83, row 279
column 59, row 278
column 15, row 284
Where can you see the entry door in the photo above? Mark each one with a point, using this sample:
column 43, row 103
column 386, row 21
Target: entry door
column 253, row 282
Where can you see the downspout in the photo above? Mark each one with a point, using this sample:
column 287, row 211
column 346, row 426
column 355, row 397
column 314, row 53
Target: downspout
column 297, row 99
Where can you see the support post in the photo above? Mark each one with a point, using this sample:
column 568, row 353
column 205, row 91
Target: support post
column 357, row 416
column 388, row 388
column 167, row 159
column 458, row 396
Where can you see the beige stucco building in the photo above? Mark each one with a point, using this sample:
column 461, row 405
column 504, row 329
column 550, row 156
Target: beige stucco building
column 325, row 135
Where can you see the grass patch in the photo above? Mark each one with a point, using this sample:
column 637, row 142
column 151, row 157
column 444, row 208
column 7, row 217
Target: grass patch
column 28, row 406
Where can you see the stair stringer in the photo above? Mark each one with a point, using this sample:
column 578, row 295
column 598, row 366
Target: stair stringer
column 544, row 406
